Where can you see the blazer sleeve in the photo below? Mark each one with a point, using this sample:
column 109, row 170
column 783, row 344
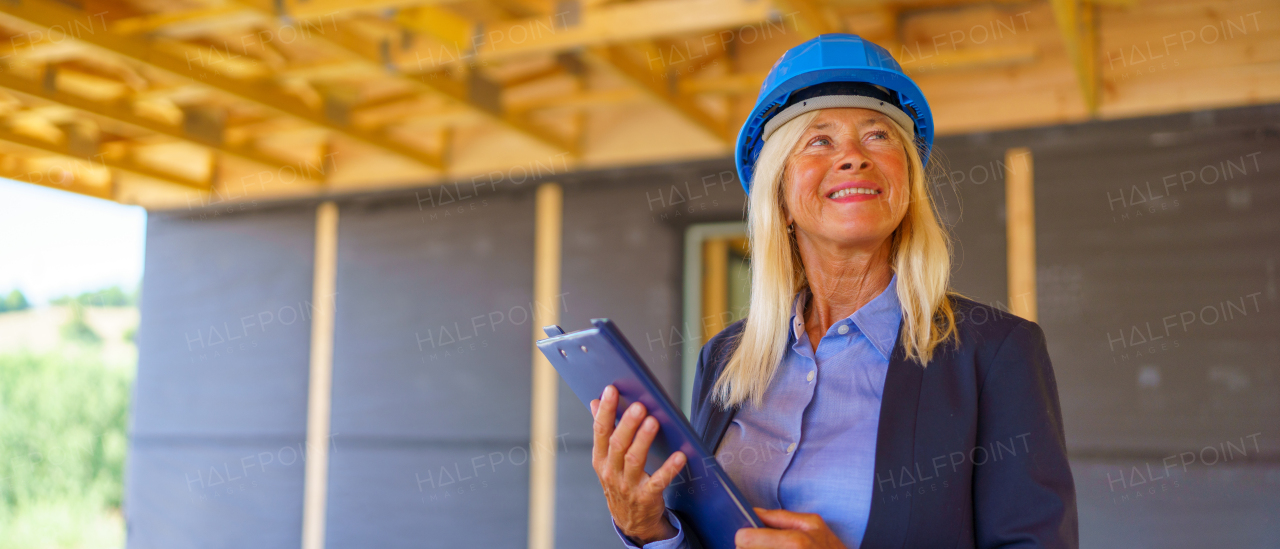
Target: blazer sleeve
column 1023, row 491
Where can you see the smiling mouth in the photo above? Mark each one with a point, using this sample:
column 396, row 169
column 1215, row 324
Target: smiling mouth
column 852, row 191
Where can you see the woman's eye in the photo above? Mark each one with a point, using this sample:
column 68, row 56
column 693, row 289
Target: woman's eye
column 883, row 134
column 820, row 141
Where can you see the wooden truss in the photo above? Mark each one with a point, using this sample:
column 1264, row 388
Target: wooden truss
column 187, row 103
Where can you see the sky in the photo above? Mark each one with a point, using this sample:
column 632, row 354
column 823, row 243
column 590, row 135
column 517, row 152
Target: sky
column 54, row 243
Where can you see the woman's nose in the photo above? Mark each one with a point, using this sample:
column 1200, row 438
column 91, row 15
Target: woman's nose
column 851, row 159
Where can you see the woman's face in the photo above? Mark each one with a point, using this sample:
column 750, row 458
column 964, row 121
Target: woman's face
column 844, row 153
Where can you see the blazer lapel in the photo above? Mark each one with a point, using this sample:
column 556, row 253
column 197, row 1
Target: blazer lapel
column 895, row 450
column 717, row 423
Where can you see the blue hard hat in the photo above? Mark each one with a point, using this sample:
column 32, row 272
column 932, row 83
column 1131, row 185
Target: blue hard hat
column 832, row 70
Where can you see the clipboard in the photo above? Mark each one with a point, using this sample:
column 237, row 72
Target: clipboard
column 710, row 507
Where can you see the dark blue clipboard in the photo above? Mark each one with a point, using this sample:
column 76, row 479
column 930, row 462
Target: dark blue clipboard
column 591, row 359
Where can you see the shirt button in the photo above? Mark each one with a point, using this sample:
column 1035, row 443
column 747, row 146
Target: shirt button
column 810, row 376
column 791, row 448
column 843, row 329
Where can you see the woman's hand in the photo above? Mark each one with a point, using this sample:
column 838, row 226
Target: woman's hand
column 618, row 456
column 788, row 531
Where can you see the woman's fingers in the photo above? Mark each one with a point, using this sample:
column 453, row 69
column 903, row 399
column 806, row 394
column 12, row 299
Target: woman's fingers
column 621, row 438
column 633, row 463
column 788, row 520
column 602, row 428
column 664, row 475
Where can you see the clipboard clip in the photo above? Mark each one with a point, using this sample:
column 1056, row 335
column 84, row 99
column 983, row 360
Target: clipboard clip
column 553, row 330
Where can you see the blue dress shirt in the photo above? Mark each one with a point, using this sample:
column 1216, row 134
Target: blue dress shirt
column 811, row 447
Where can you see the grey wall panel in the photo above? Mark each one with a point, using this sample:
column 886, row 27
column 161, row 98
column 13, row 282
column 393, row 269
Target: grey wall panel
column 432, row 369
column 220, row 396
column 433, row 322
column 582, row 516
column 1135, row 504
column 215, row 494
column 429, row 496
column 224, row 337
column 968, row 186
column 1158, row 279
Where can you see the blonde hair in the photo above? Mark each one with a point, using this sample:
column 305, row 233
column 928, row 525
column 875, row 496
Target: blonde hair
column 920, row 255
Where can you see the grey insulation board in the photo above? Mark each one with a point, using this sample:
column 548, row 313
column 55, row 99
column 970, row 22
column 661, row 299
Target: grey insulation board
column 1132, row 503
column 219, row 411
column 432, row 370
column 967, row 183
column 215, row 494
column 425, row 345
column 428, row 496
column 225, row 325
column 1108, row 284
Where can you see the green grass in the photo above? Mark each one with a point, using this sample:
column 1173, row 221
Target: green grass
column 62, row 449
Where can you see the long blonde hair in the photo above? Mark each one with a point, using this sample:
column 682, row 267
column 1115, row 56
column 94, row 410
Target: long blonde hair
column 920, row 255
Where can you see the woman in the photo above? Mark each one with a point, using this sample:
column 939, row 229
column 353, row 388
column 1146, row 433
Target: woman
column 861, row 403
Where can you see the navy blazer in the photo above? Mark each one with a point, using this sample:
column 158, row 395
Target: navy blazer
column 970, row 451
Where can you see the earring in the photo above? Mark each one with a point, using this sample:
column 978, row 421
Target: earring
column 791, row 229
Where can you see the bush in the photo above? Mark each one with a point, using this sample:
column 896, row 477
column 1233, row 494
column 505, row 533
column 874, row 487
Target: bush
column 62, row 450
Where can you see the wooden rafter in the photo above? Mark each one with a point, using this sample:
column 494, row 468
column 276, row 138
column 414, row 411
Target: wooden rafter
column 467, row 41
column 124, row 114
column 152, row 91
column 48, row 13
column 1076, row 21
column 658, row 84
column 125, row 164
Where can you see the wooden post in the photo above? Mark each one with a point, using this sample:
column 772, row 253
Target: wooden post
column 549, row 206
column 715, row 286
column 319, row 393
column 1020, row 219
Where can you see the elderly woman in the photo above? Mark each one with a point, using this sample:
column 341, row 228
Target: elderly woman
column 861, row 403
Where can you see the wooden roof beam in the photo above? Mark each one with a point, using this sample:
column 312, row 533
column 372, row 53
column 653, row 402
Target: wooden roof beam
column 593, row 26
column 659, row 85
column 124, row 164
column 49, row 13
column 814, row 17
column 1078, row 25
column 122, row 113
column 476, row 93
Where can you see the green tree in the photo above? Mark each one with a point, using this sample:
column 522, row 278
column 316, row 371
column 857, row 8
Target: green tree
column 15, row 301
column 106, row 297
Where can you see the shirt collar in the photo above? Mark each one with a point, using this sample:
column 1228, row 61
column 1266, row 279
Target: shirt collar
column 879, row 319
